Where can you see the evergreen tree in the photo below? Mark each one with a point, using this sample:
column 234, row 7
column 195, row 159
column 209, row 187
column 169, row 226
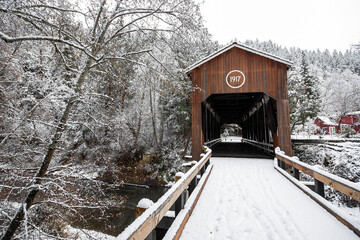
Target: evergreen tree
column 356, row 58
column 294, row 95
column 309, row 101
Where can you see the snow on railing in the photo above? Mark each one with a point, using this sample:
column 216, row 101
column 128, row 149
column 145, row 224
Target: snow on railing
column 321, row 177
column 149, row 219
column 347, row 187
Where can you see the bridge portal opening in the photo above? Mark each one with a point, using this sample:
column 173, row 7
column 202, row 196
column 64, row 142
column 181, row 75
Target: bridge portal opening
column 251, row 116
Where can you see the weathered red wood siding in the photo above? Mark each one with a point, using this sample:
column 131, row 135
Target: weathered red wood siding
column 262, row 75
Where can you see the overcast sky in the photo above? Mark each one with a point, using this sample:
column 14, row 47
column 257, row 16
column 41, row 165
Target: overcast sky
column 308, row 24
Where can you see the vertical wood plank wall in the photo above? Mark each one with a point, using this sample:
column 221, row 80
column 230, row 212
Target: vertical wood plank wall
column 262, row 75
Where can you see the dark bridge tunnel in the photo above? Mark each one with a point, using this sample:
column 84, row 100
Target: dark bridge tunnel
column 255, row 113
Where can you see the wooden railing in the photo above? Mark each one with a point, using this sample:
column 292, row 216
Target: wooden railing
column 321, row 177
column 267, row 147
column 143, row 226
column 212, row 142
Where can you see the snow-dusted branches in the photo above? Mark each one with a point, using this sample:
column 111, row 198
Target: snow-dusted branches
column 108, row 67
column 9, row 39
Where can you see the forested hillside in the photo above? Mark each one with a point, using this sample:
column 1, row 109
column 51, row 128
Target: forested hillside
column 323, row 84
column 320, row 83
column 88, row 91
column 98, row 92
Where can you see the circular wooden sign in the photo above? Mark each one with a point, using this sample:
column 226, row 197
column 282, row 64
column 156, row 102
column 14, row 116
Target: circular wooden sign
column 235, row 79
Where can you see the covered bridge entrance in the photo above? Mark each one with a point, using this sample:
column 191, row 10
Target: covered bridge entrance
column 241, row 85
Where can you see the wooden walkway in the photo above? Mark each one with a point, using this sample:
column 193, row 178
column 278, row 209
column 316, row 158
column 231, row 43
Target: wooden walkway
column 237, row 150
column 248, row 199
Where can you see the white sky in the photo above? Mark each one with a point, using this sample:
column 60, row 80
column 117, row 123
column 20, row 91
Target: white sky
column 308, row 24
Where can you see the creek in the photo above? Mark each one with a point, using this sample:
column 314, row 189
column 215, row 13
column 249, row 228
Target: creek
column 114, row 219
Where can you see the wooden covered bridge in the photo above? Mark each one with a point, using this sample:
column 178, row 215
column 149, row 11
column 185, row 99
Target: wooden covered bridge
column 238, row 84
column 244, row 198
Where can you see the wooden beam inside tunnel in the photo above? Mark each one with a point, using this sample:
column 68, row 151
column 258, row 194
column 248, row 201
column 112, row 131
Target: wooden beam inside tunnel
column 256, row 108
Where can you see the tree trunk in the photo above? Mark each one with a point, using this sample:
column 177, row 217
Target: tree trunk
column 187, row 144
column 139, row 123
column 339, row 124
column 19, row 216
column 161, row 134
column 154, row 123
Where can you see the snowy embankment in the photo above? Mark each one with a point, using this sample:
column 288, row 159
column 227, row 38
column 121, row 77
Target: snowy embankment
column 327, row 137
column 249, row 199
column 233, row 139
column 339, row 158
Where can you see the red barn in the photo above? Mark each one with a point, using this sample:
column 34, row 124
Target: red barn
column 326, row 125
column 351, row 120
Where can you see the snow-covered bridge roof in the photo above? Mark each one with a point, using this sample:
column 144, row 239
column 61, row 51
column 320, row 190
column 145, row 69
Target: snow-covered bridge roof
column 243, row 47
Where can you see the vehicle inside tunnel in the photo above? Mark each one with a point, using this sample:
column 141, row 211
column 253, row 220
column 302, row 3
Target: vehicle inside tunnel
column 247, row 116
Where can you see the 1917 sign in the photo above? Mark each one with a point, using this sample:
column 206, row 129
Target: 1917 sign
column 235, row 79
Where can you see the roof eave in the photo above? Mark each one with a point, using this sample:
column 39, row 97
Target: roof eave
column 240, row 46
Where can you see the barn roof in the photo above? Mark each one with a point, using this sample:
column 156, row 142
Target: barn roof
column 327, row 120
column 353, row 113
column 243, row 47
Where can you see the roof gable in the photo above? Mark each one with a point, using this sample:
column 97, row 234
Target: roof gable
column 241, row 46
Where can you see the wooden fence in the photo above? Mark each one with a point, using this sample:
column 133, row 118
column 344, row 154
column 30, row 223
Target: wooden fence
column 143, row 226
column 321, row 177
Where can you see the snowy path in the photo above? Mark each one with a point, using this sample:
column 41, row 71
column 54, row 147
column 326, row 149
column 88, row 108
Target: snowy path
column 249, row 199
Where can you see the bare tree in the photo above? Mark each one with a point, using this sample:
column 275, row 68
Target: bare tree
column 104, row 25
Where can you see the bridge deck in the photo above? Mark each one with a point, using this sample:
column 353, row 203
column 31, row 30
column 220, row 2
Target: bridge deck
column 248, row 199
column 237, row 149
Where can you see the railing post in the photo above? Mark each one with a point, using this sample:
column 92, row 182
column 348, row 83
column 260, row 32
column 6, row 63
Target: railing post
column 193, row 182
column 207, row 164
column 202, row 171
column 296, row 173
column 281, row 164
column 180, row 202
column 319, row 188
column 141, row 207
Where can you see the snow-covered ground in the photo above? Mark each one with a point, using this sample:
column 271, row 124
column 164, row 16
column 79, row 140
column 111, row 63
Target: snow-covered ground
column 339, row 158
column 337, row 137
column 75, row 233
column 249, row 199
column 231, row 139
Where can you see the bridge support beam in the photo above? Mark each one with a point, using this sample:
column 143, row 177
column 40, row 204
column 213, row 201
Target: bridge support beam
column 197, row 133
column 210, row 122
column 284, row 126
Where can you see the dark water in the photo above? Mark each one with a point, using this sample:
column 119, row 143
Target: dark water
column 113, row 206
column 113, row 220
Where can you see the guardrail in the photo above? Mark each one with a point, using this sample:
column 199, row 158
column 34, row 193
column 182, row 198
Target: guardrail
column 321, row 177
column 267, row 147
column 212, row 142
column 143, row 226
